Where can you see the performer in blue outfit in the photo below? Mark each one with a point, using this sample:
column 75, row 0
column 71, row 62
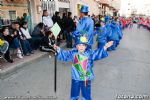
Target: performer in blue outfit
column 101, row 34
column 116, row 34
column 85, row 25
column 108, row 27
column 120, row 33
column 82, row 59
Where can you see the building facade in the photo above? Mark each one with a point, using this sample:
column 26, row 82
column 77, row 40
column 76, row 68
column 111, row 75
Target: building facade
column 115, row 7
column 12, row 9
column 76, row 4
column 109, row 7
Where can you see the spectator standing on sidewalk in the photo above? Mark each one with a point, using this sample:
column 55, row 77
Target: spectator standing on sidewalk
column 70, row 26
column 27, row 18
column 56, row 18
column 46, row 19
column 64, row 25
column 76, row 20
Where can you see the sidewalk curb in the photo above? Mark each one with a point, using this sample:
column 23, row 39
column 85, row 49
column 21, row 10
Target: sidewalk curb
column 15, row 68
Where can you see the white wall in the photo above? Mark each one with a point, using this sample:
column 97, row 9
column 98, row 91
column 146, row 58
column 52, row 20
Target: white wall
column 93, row 6
column 61, row 5
column 36, row 17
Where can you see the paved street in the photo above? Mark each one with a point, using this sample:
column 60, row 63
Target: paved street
column 125, row 72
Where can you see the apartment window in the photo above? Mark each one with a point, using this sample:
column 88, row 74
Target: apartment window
column 12, row 14
column 0, row 3
column 7, row 14
column 49, row 5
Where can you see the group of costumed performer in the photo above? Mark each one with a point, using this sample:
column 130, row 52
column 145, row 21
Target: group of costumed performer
column 109, row 30
column 144, row 22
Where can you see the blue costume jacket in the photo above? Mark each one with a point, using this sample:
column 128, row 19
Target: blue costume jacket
column 82, row 62
column 109, row 31
column 120, row 33
column 116, row 32
column 102, row 34
column 85, row 26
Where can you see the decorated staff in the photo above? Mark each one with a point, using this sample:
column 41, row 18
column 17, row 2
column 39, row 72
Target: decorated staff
column 55, row 30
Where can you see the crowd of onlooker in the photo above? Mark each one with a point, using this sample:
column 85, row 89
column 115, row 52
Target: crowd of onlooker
column 18, row 37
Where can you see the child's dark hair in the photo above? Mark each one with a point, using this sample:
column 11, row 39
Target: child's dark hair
column 49, row 33
column 24, row 23
column 69, row 14
column 44, row 12
column 40, row 25
column 3, row 29
column 16, row 22
column 56, row 13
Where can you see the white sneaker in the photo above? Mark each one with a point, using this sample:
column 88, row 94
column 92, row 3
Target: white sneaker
column 19, row 54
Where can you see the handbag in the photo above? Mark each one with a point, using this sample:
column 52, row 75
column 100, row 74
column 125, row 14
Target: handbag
column 1, row 42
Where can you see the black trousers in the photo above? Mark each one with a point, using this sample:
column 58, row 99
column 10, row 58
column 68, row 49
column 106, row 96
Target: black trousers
column 7, row 55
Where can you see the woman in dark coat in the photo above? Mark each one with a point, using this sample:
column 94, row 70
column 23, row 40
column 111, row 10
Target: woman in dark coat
column 70, row 26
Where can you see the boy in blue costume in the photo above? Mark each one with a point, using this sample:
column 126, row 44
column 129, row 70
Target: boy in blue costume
column 101, row 34
column 108, row 27
column 120, row 33
column 116, row 34
column 85, row 26
column 82, row 59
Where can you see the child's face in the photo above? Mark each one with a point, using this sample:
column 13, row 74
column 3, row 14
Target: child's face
column 102, row 23
column 17, row 26
column 81, row 15
column 45, row 13
column 51, row 35
column 6, row 32
column 13, row 26
column 81, row 47
column 26, row 25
